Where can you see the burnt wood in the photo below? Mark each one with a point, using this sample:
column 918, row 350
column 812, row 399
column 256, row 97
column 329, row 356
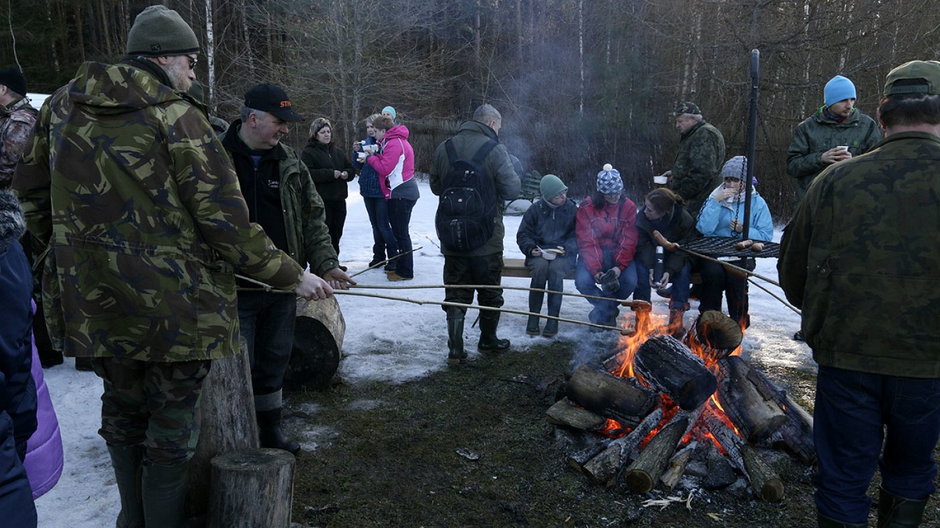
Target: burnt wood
column 564, row 412
column 643, row 473
column 676, row 466
column 754, row 415
column 622, row 399
column 606, row 465
column 252, row 488
column 764, row 480
column 670, row 367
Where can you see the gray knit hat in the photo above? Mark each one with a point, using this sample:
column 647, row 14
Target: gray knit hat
column 159, row 31
column 735, row 167
column 608, row 180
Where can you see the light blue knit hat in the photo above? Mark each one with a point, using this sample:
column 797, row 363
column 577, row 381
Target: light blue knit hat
column 838, row 89
column 391, row 112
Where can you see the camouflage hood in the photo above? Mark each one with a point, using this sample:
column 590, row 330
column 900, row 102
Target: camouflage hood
column 12, row 224
column 112, row 89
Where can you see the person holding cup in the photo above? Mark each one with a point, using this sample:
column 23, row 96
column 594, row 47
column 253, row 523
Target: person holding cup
column 384, row 244
column 331, row 171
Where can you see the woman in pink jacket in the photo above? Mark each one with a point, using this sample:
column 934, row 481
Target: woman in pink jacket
column 395, row 165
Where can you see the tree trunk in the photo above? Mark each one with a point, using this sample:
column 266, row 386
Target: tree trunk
column 622, row 399
column 252, row 488
column 670, row 367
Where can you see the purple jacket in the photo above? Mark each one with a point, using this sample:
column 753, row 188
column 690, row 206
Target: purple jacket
column 44, row 450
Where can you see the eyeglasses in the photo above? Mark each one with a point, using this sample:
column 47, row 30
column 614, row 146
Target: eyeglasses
column 193, row 61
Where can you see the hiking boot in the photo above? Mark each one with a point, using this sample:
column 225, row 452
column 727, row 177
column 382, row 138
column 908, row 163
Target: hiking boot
column 395, row 277
column 898, row 512
column 455, row 352
column 675, row 327
column 488, row 340
column 376, row 261
column 551, row 328
column 532, row 327
column 270, row 433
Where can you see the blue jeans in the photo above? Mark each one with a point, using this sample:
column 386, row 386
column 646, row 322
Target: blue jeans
column 604, row 312
column 852, row 411
column 382, row 236
column 399, row 214
column 267, row 321
column 680, row 286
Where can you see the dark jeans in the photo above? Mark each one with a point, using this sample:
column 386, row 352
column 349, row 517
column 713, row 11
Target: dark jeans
column 604, row 312
column 335, row 220
column 399, row 214
column 717, row 280
column 267, row 325
column 153, row 405
column 679, row 300
column 855, row 414
column 382, row 236
column 484, row 269
column 550, row 273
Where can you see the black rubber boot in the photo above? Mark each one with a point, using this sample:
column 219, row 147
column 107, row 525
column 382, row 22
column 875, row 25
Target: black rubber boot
column 270, row 433
column 127, row 462
column 825, row 522
column 488, row 340
column 554, row 308
column 163, row 488
column 455, row 352
column 532, row 326
column 535, row 306
column 898, row 512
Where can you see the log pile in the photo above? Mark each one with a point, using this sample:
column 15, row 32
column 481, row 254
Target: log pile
column 681, row 408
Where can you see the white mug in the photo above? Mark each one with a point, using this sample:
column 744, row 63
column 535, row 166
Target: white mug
column 660, row 179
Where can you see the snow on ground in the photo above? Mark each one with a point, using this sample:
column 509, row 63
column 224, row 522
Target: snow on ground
column 385, row 340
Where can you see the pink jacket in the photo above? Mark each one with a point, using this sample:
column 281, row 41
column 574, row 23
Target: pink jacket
column 396, row 163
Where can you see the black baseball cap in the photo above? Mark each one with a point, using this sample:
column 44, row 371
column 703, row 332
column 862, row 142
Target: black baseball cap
column 13, row 79
column 272, row 99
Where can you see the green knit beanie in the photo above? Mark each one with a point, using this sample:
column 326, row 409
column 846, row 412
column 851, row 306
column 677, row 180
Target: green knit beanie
column 158, row 31
column 551, row 186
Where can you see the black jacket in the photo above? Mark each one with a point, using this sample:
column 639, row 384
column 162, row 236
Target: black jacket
column 679, row 227
column 321, row 160
column 548, row 227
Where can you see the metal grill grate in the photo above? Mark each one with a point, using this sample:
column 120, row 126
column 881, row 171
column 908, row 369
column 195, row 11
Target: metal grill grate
column 724, row 247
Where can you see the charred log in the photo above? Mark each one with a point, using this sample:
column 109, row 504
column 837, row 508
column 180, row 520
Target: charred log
column 670, row 367
column 677, row 465
column 764, row 480
column 566, row 413
column 605, row 466
column 754, row 415
column 621, row 399
column 644, row 472
column 796, row 436
column 716, row 334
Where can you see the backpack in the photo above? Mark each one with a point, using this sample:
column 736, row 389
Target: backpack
column 466, row 214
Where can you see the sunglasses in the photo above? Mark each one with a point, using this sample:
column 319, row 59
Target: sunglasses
column 193, row 61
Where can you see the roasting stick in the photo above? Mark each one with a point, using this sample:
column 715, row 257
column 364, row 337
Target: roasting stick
column 638, row 304
column 386, row 261
column 623, row 331
column 785, row 303
column 672, row 246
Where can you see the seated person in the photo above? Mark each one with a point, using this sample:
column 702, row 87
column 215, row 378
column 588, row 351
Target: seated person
column 723, row 215
column 606, row 231
column 546, row 238
column 663, row 211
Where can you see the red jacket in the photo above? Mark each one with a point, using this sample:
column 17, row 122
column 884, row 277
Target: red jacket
column 611, row 229
column 396, row 163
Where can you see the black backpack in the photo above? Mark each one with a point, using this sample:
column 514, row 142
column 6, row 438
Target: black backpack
column 466, row 215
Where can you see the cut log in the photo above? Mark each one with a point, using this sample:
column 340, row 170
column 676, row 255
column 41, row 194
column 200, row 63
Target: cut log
column 605, row 466
column 727, row 438
column 227, row 422
column 796, row 441
column 771, row 391
column 644, row 472
column 622, row 399
column 318, row 343
column 755, row 416
column 566, row 413
column 764, row 480
column 716, row 334
column 670, row 367
column 796, row 436
column 252, row 488
column 676, row 466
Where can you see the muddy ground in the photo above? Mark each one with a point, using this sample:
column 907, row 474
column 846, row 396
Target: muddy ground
column 386, row 455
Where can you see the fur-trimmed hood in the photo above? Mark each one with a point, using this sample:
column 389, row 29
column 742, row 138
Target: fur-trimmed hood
column 12, row 225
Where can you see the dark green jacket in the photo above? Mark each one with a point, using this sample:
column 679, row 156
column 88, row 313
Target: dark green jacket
column 468, row 140
column 861, row 258
column 128, row 184
column 817, row 134
column 697, row 169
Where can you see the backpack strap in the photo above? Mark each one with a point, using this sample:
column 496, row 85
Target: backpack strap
column 484, row 152
column 451, row 151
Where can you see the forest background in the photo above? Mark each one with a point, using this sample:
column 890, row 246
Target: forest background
column 580, row 83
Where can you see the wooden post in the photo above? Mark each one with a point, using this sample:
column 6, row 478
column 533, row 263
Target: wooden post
column 252, row 488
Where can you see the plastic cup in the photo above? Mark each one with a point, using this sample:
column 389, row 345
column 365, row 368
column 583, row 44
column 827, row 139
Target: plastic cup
column 660, row 180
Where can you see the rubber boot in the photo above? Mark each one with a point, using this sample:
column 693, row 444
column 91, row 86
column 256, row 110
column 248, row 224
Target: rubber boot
column 270, row 433
column 488, row 340
column 898, row 512
column 127, row 462
column 535, row 306
column 675, row 327
column 825, row 522
column 554, row 308
column 163, row 488
column 455, row 352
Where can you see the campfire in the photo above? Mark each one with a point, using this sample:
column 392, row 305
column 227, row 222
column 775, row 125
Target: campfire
column 660, row 402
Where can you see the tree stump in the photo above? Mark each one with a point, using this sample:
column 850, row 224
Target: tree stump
column 670, row 367
column 252, row 488
column 318, row 343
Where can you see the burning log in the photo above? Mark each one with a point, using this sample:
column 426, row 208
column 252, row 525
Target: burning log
column 677, row 466
column 644, row 472
column 670, row 367
column 622, row 399
column 605, row 465
column 716, row 334
column 745, row 404
column 796, row 435
column 566, row 413
column 764, row 480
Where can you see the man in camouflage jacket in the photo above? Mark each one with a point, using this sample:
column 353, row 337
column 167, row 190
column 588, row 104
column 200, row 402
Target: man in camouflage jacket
column 861, row 259
column 17, row 118
column 697, row 169
column 131, row 190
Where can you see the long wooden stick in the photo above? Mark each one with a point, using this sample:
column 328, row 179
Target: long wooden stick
column 642, row 305
column 386, row 261
column 623, row 331
column 785, row 303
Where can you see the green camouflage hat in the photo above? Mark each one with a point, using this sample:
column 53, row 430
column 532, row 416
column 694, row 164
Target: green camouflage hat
column 687, row 108
column 914, row 77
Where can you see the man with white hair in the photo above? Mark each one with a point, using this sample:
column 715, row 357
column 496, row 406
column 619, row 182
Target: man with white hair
column 697, row 169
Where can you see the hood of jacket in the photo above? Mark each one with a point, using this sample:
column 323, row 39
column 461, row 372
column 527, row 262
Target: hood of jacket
column 12, row 224
column 113, row 89
column 397, row 132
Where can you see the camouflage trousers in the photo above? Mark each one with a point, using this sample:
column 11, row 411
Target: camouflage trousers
column 154, row 405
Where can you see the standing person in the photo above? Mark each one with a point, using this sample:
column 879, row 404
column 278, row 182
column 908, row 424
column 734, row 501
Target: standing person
column 607, row 237
column 723, row 216
column 331, row 171
column 390, row 112
column 834, row 133
column 483, row 264
column 860, row 258
column 17, row 390
column 546, row 237
column 17, row 118
column 663, row 211
column 395, row 166
column 143, row 252
column 697, row 168
column 384, row 245
column 282, row 199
